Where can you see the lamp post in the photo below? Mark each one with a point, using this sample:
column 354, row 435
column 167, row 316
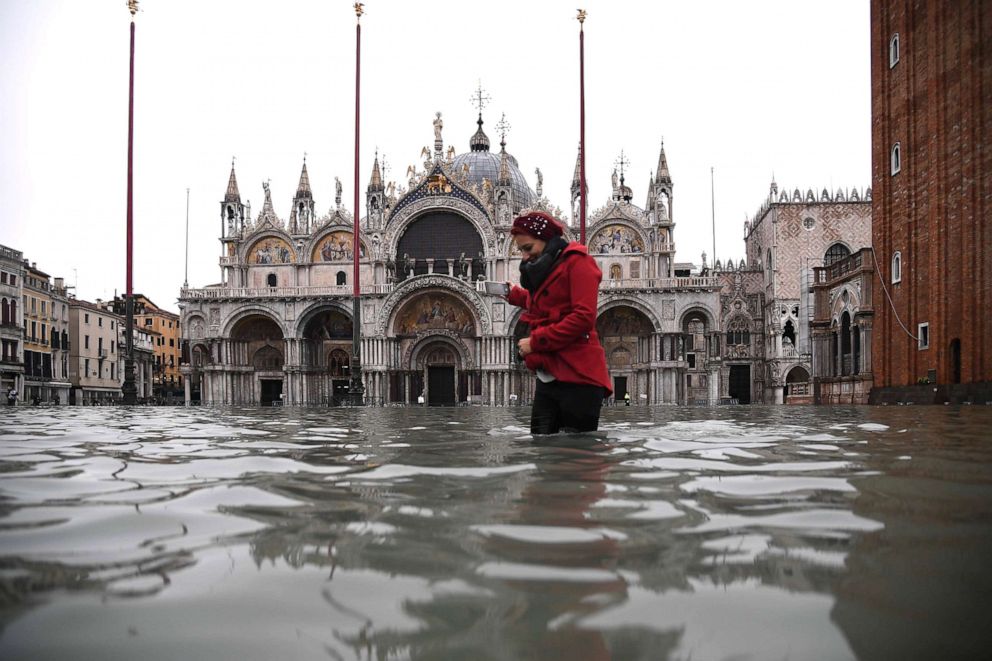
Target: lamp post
column 130, row 390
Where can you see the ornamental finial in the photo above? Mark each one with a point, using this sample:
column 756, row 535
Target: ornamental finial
column 581, row 16
column 132, row 6
column 359, row 10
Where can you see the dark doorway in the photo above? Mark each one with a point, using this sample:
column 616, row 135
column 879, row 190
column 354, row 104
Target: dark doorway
column 271, row 392
column 441, row 386
column 955, row 360
column 340, row 387
column 740, row 383
column 619, row 388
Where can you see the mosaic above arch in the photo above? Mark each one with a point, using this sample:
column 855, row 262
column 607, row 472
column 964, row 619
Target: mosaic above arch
column 337, row 247
column 271, row 250
column 616, row 240
column 623, row 320
column 435, row 311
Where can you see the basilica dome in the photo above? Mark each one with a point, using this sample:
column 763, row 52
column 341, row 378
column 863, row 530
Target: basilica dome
column 484, row 164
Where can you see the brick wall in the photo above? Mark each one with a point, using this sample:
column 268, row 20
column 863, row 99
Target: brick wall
column 935, row 103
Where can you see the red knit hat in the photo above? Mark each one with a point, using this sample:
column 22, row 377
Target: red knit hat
column 537, row 224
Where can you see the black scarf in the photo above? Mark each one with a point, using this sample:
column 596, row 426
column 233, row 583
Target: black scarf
column 535, row 272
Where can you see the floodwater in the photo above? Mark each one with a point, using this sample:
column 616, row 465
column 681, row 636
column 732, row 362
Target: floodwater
column 412, row 533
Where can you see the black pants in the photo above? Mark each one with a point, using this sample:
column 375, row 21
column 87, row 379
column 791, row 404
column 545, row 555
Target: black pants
column 565, row 407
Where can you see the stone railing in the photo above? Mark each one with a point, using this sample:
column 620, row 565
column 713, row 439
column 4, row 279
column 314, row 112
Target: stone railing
column 694, row 282
column 218, row 293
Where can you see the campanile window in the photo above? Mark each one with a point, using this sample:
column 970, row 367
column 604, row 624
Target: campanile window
column 894, row 50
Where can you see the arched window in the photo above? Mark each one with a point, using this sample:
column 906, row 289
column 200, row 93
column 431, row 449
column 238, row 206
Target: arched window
column 341, row 278
column 738, row 332
column 789, row 333
column 894, row 50
column 836, row 253
column 5, row 312
column 896, row 267
column 896, row 158
column 768, row 262
column 267, row 358
column 271, row 280
column 845, row 343
column 338, row 361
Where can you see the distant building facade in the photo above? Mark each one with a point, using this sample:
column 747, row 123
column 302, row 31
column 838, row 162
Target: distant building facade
column 165, row 333
column 931, row 116
column 11, row 321
column 45, row 328
column 792, row 234
column 94, row 368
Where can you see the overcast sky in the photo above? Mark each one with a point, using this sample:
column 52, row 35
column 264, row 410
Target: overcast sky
column 748, row 88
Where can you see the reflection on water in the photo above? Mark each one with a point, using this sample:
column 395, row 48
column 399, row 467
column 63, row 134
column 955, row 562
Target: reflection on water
column 803, row 533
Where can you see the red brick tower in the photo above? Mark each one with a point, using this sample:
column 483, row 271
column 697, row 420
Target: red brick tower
column 931, row 75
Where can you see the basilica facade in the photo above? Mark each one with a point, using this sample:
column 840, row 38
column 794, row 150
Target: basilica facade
column 278, row 327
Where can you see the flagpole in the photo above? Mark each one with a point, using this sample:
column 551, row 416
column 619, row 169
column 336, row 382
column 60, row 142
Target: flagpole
column 713, row 213
column 186, row 271
column 582, row 128
column 356, row 390
column 130, row 390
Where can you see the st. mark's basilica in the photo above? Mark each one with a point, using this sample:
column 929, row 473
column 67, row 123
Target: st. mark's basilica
column 278, row 326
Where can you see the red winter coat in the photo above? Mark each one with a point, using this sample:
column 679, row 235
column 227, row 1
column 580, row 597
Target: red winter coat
column 562, row 319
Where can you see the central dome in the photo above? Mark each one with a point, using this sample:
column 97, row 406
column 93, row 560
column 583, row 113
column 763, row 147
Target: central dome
column 483, row 164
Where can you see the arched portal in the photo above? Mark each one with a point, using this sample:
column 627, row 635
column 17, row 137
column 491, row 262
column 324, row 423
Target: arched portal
column 326, row 356
column 625, row 333
column 257, row 343
column 797, row 387
column 423, row 325
column 438, row 362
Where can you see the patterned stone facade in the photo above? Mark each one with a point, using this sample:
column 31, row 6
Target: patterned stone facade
column 791, row 234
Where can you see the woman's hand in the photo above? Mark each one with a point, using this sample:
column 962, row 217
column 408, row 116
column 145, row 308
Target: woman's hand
column 523, row 346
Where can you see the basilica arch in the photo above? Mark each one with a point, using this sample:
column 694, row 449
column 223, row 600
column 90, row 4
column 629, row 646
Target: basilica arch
column 627, row 334
column 325, row 334
column 256, row 349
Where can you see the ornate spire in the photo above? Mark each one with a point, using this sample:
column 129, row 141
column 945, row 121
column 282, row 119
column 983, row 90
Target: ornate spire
column 376, row 182
column 232, row 194
column 662, row 175
column 303, row 189
column 577, row 176
column 504, row 162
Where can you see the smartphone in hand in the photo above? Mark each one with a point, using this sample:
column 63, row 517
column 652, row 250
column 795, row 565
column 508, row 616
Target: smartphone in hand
column 496, row 288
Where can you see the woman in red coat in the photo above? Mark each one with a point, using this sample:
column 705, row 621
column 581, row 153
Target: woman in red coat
column 559, row 293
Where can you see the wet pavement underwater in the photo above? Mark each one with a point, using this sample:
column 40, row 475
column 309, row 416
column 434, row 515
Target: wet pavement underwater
column 450, row 533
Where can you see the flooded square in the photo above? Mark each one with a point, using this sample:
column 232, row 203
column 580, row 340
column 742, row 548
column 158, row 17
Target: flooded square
column 451, row 533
